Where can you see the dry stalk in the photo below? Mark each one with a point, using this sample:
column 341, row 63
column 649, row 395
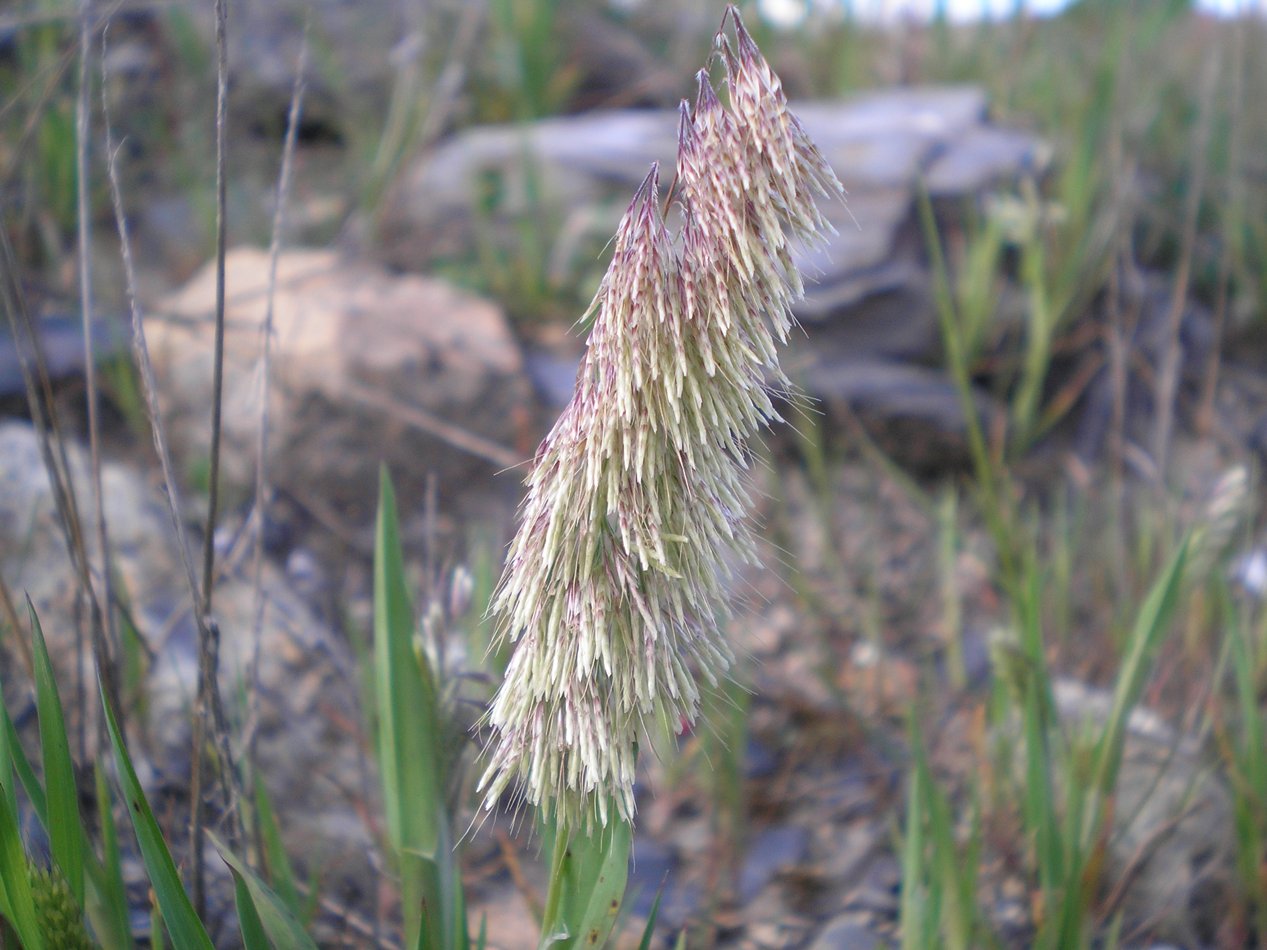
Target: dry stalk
column 141, row 354
column 1235, row 202
column 149, row 388
column 1167, row 388
column 207, row 702
column 104, row 640
column 262, row 492
column 9, row 614
column 52, row 444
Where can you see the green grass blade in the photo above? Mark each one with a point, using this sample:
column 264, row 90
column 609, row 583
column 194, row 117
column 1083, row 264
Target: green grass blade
column 249, row 923
column 917, row 910
column 401, row 699
column 409, row 742
column 18, row 905
column 1248, row 755
column 65, row 830
column 182, row 923
column 1150, row 626
column 158, row 936
column 272, row 914
column 106, row 910
column 8, row 749
column 911, row 912
column 956, row 888
column 648, row 932
column 587, row 885
column 280, row 873
column 107, row 894
column 22, row 765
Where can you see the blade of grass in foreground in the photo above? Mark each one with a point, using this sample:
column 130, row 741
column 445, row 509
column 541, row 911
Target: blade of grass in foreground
column 26, row 775
column 18, row 904
column 1249, row 758
column 409, row 753
column 65, row 831
column 648, row 932
column 177, row 911
column 913, row 919
column 106, row 910
column 280, row 872
column 257, row 904
column 588, row 872
column 249, row 923
column 108, row 901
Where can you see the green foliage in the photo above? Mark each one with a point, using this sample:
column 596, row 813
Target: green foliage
column 528, row 81
column 1064, row 787
column 64, row 827
column 61, row 921
column 17, row 902
column 410, row 751
column 1109, row 85
column 938, row 904
column 177, row 911
column 588, row 870
column 1246, row 749
column 261, row 912
column 37, row 135
column 108, row 904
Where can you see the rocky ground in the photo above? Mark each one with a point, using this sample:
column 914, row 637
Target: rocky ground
column 782, row 837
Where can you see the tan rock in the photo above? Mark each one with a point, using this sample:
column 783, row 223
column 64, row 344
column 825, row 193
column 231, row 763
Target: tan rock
column 362, row 362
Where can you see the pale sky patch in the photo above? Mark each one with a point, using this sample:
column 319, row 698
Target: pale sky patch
column 789, row 13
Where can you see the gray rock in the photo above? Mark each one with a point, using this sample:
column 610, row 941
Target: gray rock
column 982, row 157
column 1173, row 821
column 868, row 306
column 1171, row 846
column 895, row 391
column 62, row 340
column 306, row 703
column 846, row 933
column 582, row 169
column 771, row 851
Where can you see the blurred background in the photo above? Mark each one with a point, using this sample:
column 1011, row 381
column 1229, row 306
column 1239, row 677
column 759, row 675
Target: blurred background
column 1035, row 355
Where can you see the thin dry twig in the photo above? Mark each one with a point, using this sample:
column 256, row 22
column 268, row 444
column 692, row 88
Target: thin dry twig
column 1233, row 208
column 207, row 705
column 52, row 443
column 149, row 389
column 141, row 354
column 444, row 95
column 266, row 365
column 510, row 858
column 1172, row 355
column 426, row 422
column 105, row 639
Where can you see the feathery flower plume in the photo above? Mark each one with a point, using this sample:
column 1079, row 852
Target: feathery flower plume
column 634, row 515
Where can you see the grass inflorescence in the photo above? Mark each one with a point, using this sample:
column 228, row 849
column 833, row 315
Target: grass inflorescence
column 636, row 503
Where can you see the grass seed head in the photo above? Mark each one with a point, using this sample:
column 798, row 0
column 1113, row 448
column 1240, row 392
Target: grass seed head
column 616, row 581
